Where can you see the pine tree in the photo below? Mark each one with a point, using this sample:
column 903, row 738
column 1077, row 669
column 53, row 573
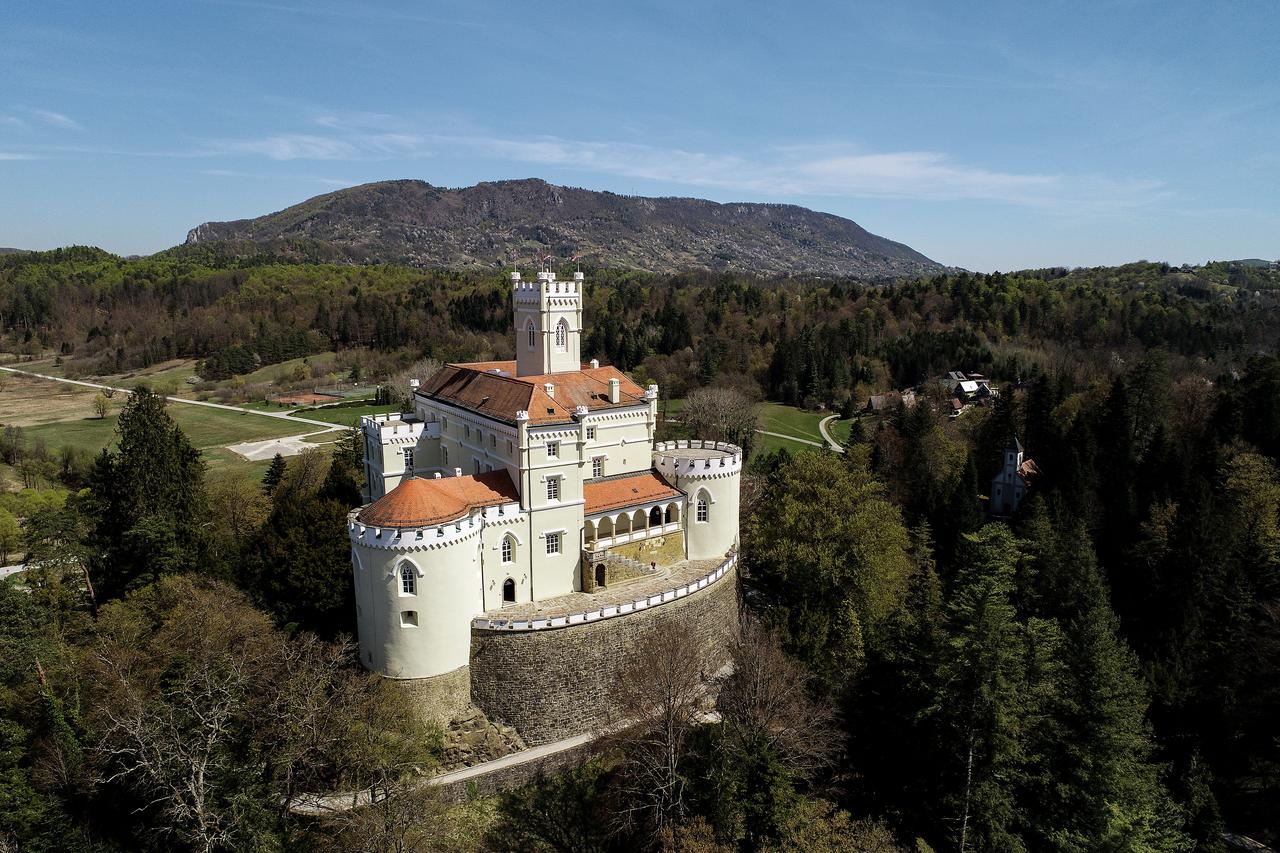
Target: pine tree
column 274, row 474
column 147, row 500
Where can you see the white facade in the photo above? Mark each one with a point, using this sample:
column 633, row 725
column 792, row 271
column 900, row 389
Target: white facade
column 454, row 538
column 1010, row 486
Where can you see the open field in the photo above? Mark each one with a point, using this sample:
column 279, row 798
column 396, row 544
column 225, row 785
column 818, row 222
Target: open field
column 26, row 402
column 775, row 417
column 343, row 415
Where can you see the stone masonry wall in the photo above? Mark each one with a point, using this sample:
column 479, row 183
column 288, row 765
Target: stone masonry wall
column 557, row 683
column 439, row 699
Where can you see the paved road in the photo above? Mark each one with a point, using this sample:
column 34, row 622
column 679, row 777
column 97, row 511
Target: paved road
column 790, row 437
column 328, row 427
column 6, row 571
column 831, row 442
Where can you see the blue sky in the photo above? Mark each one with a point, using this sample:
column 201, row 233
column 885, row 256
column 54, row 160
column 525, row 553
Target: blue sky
column 986, row 135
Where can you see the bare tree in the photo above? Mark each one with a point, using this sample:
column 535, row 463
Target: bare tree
column 720, row 414
column 767, row 700
column 658, row 696
column 397, row 385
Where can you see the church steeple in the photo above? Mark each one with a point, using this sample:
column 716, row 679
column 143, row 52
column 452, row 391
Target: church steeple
column 548, row 324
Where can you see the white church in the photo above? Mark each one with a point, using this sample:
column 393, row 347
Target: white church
column 512, row 482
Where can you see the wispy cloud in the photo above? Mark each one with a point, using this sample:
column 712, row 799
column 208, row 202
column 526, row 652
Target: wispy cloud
column 12, row 121
column 779, row 172
column 261, row 176
column 11, row 155
column 52, row 118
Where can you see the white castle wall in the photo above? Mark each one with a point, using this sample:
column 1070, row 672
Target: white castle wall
column 715, row 475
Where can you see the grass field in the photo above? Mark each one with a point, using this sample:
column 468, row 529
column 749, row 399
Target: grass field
column 344, row 415
column 205, row 427
column 787, row 421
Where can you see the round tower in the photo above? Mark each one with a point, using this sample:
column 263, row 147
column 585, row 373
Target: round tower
column 708, row 473
column 418, row 581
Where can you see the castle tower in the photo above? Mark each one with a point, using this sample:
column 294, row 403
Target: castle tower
column 548, row 324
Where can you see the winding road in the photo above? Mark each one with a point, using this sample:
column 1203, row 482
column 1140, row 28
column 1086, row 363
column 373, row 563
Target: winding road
column 831, row 442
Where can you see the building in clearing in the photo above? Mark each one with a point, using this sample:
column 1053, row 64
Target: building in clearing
column 1011, row 485
column 529, row 497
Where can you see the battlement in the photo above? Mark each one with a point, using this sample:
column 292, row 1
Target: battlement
column 546, row 284
column 397, row 428
column 695, row 457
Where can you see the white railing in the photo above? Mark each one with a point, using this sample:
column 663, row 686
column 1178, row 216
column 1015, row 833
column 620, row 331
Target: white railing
column 601, row 542
column 611, row 611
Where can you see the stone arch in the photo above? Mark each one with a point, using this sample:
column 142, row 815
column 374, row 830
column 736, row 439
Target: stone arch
column 639, row 520
column 600, row 575
column 655, row 517
column 509, row 591
column 673, row 513
column 604, row 528
column 622, row 524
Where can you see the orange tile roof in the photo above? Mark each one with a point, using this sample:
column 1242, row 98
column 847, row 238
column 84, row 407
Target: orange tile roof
column 625, row 490
column 498, row 396
column 419, row 502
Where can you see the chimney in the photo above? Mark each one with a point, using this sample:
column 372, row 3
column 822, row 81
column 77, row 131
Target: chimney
column 595, row 362
column 437, row 477
column 457, row 472
column 615, row 390
column 550, row 388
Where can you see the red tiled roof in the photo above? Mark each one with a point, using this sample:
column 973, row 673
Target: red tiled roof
column 419, row 502
column 626, row 490
column 477, row 388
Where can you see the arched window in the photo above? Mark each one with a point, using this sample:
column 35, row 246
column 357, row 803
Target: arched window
column 704, row 509
column 408, row 580
column 562, row 335
column 655, row 517
column 508, row 549
column 508, row 591
column 533, row 335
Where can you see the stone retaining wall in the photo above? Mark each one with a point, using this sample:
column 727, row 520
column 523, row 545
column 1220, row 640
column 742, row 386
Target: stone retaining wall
column 554, row 684
column 439, row 699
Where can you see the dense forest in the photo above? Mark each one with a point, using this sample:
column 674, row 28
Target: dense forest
column 1100, row 671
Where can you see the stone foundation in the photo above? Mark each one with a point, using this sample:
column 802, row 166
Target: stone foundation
column 440, row 699
column 553, row 684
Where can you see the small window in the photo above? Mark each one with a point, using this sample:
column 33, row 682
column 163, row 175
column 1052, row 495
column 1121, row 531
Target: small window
column 444, row 455
column 493, row 440
column 562, row 335
column 479, row 436
column 408, row 459
column 553, row 489
column 591, row 433
column 509, row 447
column 408, row 619
column 533, row 335
column 508, row 550
column 408, row 582
column 553, row 449
column 475, row 466
column 703, row 509
column 466, row 430
column 444, row 423
column 553, row 543
column 597, row 466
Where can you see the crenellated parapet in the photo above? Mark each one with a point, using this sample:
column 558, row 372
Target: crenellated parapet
column 697, row 459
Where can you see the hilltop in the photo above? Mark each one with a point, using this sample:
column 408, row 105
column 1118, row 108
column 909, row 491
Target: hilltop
column 489, row 225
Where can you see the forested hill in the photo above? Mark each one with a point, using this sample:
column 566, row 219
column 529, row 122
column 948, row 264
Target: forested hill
column 489, row 225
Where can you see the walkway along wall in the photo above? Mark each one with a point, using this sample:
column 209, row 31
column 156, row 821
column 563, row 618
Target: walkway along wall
column 558, row 682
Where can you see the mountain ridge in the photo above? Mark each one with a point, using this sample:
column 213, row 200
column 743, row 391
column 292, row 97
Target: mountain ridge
column 495, row 223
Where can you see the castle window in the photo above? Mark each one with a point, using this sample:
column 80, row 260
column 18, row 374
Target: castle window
column 553, row 543
column 408, row 582
column 508, row 550
column 591, row 433
column 703, row 509
column 533, row 335
column 408, row 459
column 466, row 430
column 553, row 449
column 475, row 464
column 444, row 455
column 479, row 436
column 508, row 591
column 597, row 466
column 553, row 488
column 444, row 423
column 509, row 447
column 408, row 619
column 493, row 440
column 562, row 335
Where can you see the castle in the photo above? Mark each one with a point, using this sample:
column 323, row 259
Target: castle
column 524, row 530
